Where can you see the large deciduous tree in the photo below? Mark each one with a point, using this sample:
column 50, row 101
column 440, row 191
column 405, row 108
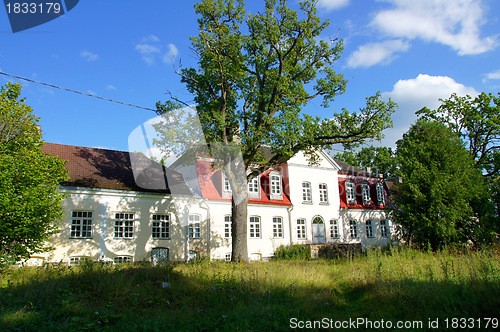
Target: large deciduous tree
column 30, row 205
column 477, row 121
column 255, row 75
column 439, row 189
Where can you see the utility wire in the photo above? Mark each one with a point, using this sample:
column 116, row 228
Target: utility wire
column 74, row 91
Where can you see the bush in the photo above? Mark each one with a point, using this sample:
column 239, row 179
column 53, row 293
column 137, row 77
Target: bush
column 297, row 251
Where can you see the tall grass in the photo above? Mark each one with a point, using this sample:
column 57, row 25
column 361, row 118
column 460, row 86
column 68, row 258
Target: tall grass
column 393, row 285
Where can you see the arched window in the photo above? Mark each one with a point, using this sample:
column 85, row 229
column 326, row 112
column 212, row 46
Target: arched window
column 275, row 189
column 254, row 187
column 350, row 192
column 380, row 194
column 365, row 193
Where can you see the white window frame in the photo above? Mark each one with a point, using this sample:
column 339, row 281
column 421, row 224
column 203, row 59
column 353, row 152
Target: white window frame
column 277, row 227
column 123, row 259
column 254, row 187
column 81, row 224
column 77, row 260
column 353, row 229
column 194, row 228
column 306, row 192
column 380, row 194
column 124, row 225
column 365, row 193
column 369, row 229
column 160, row 226
column 334, row 229
column 384, row 228
column 227, row 226
column 323, row 193
column 255, row 229
column 275, row 186
column 350, row 191
column 301, row 229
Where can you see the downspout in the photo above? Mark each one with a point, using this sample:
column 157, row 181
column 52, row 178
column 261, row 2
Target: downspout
column 290, row 223
column 208, row 228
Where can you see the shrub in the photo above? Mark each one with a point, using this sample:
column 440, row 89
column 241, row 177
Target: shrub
column 297, row 251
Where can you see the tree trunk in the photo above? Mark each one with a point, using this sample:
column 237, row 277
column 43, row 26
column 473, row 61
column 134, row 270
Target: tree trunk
column 239, row 226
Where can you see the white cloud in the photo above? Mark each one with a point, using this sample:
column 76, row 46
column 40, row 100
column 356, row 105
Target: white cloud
column 150, row 50
column 453, row 23
column 413, row 94
column 171, row 54
column 110, row 87
column 375, row 53
column 492, row 76
column 332, row 4
column 150, row 39
column 89, row 56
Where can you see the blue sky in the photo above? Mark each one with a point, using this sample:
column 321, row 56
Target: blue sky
column 414, row 52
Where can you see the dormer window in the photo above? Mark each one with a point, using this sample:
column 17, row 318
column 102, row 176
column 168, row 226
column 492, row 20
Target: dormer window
column 365, row 193
column 350, row 192
column 380, row 194
column 254, row 187
column 225, row 183
column 275, row 189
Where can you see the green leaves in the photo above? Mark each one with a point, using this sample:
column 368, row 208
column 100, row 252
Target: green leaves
column 30, row 205
column 439, row 186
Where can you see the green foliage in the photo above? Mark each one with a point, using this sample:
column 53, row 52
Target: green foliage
column 220, row 296
column 30, row 206
column 297, row 251
column 381, row 160
column 477, row 121
column 440, row 185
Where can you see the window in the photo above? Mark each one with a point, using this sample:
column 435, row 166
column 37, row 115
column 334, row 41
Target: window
column 81, row 224
column 277, row 227
column 77, row 260
column 365, row 193
column 380, row 194
column 275, row 183
column 194, row 229
column 161, row 226
column 254, row 187
column 323, row 193
column 334, row 229
column 350, row 192
column 225, row 183
column 306, row 192
column 369, row 228
column 227, row 257
column 124, row 225
column 122, row 260
column 192, row 255
column 254, row 227
column 383, row 228
column 353, row 229
column 301, row 229
column 227, row 227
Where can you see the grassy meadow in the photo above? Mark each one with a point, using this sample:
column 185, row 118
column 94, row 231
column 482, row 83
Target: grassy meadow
column 396, row 285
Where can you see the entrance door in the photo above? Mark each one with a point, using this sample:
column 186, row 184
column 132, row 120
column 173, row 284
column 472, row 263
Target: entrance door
column 318, row 230
column 159, row 256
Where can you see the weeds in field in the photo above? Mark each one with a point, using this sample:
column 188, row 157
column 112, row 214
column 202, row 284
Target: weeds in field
column 396, row 284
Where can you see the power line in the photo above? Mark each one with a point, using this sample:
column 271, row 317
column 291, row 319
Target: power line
column 74, row 91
